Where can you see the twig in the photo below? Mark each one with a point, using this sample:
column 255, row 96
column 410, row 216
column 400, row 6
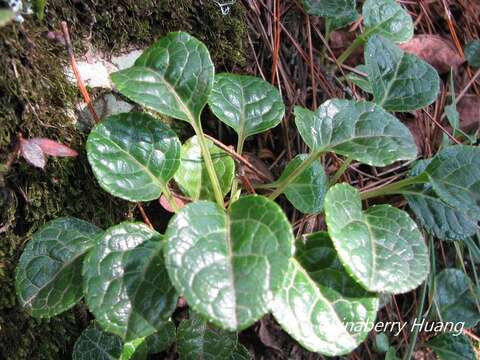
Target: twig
column 146, row 220
column 73, row 64
column 237, row 157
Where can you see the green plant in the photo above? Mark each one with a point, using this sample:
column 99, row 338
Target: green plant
column 233, row 263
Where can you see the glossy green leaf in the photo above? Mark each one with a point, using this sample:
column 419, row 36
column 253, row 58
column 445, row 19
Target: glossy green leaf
column 381, row 247
column 126, row 283
column 450, row 347
column 329, row 8
column 360, row 130
column 387, row 18
column 136, row 349
column 133, row 156
column 455, row 176
column 192, row 175
column 307, row 191
column 361, row 81
column 198, row 340
column 454, row 298
column 226, row 263
column 174, row 77
column 400, row 81
column 95, row 344
column 337, row 22
column 438, row 218
column 320, row 305
column 472, row 53
column 162, row 339
column 247, row 104
column 48, row 278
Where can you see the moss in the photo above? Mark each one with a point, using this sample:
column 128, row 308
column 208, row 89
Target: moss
column 34, row 96
column 116, row 25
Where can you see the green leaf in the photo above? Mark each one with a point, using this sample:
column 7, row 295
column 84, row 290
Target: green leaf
column 174, row 77
column 472, row 53
column 136, row 349
column 400, row 81
column 437, row 217
column 451, row 347
column 357, row 129
column 338, row 22
column 454, row 299
column 247, row 104
column 48, row 278
column 197, row 340
column 381, row 344
column 381, row 247
column 320, row 305
column 133, row 156
column 162, row 339
column 6, row 15
column 192, row 175
column 361, row 81
column 387, row 18
column 307, row 191
column 126, row 283
column 391, row 354
column 329, row 8
column 227, row 263
column 94, row 344
column 454, row 174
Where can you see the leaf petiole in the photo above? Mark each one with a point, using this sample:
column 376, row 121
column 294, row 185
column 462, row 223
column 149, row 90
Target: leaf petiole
column 359, row 41
column 234, row 195
column 296, row 173
column 341, row 170
column 197, row 126
column 394, row 188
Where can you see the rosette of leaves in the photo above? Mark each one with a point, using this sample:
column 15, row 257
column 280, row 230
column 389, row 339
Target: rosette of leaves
column 235, row 264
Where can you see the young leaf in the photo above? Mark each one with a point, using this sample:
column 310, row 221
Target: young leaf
column 454, row 174
column 387, row 18
column 400, row 81
column 307, row 191
column 437, row 217
column 320, row 304
column 226, row 263
column 454, row 299
column 247, row 104
column 472, row 53
column 48, row 277
column 360, row 130
column 450, row 347
column 381, row 247
column 126, row 283
column 174, row 77
column 133, row 156
column 329, row 8
column 198, row 340
column 54, row 148
column 95, row 344
column 192, row 175
column 33, row 153
column 361, row 81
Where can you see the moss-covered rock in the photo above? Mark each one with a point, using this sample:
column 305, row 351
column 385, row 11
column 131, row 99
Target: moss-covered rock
column 34, row 100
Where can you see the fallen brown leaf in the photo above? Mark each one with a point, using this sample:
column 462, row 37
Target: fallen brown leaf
column 437, row 51
column 469, row 110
